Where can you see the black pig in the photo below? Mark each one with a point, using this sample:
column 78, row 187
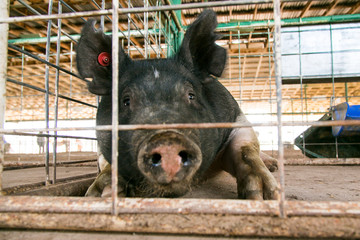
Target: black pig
column 165, row 163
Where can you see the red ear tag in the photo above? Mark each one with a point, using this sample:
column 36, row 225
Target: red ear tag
column 104, row 59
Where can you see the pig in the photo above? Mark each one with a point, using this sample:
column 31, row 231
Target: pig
column 180, row 89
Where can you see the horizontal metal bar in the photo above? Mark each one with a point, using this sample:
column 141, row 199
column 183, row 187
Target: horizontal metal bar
column 183, row 226
column 319, row 79
column 20, row 165
column 175, row 206
column 28, row 187
column 51, row 135
column 186, row 126
column 292, row 22
column 53, row 94
column 323, row 161
column 133, row 33
column 133, row 10
column 44, row 61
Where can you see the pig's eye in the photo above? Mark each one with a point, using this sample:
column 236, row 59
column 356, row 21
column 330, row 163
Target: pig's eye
column 191, row 96
column 126, row 101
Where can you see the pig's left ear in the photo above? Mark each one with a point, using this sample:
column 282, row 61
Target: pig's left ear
column 93, row 58
column 198, row 50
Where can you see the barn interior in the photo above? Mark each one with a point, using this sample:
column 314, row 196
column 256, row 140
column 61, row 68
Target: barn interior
column 319, row 72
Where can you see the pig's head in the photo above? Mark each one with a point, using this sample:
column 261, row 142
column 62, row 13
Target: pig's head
column 164, row 162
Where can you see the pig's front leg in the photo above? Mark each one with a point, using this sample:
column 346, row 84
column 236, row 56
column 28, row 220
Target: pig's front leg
column 241, row 158
column 101, row 187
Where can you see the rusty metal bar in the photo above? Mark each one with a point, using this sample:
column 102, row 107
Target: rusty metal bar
column 37, row 188
column 220, row 225
column 323, row 161
column 115, row 106
column 47, row 88
column 175, row 206
column 277, row 61
column 4, row 28
column 56, row 107
column 50, row 135
column 15, row 166
column 134, row 10
column 184, row 126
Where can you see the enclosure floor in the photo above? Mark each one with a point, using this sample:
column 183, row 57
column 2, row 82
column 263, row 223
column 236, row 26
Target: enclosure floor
column 311, row 183
column 14, row 178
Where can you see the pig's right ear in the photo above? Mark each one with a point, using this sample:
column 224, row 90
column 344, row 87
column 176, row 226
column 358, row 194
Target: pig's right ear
column 93, row 58
column 199, row 52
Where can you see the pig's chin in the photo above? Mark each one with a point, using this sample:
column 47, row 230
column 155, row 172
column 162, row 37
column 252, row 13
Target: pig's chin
column 171, row 190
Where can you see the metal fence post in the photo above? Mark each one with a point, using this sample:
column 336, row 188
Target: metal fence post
column 4, row 28
column 277, row 53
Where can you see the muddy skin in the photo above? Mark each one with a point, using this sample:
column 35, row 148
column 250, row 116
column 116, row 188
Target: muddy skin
column 181, row 89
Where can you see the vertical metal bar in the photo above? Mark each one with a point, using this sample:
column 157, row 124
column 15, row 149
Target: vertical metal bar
column 129, row 28
column 240, row 90
column 333, row 86
column 70, row 91
column 146, row 29
column 71, row 77
column 102, row 24
column 22, row 80
column 4, row 28
column 306, row 103
column 56, row 109
column 102, row 18
column 277, row 52
column 47, row 80
column 115, row 107
column 346, row 92
column 159, row 19
column 270, row 82
column 301, row 90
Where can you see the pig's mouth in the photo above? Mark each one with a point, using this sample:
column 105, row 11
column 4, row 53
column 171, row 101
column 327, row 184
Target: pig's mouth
column 169, row 161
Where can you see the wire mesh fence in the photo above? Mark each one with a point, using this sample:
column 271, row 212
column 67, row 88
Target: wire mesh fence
column 153, row 29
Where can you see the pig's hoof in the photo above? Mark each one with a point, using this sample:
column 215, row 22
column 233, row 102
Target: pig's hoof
column 96, row 189
column 93, row 191
column 259, row 187
column 271, row 164
column 107, row 191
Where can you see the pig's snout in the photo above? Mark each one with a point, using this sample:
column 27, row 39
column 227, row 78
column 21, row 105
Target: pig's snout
column 169, row 157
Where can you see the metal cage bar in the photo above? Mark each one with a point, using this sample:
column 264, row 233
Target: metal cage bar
column 4, row 11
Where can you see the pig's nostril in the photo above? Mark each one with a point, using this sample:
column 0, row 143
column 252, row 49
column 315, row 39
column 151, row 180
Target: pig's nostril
column 185, row 158
column 155, row 159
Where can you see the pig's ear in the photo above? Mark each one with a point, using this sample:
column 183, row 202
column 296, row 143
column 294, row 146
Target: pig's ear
column 93, row 58
column 198, row 50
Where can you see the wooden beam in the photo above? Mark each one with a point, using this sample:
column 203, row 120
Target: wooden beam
column 333, row 5
column 306, row 9
column 256, row 74
column 355, row 8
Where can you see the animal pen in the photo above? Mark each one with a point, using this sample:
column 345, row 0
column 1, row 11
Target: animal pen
column 290, row 63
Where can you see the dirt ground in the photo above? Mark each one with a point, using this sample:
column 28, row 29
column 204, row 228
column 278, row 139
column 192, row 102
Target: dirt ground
column 310, row 183
column 302, row 182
